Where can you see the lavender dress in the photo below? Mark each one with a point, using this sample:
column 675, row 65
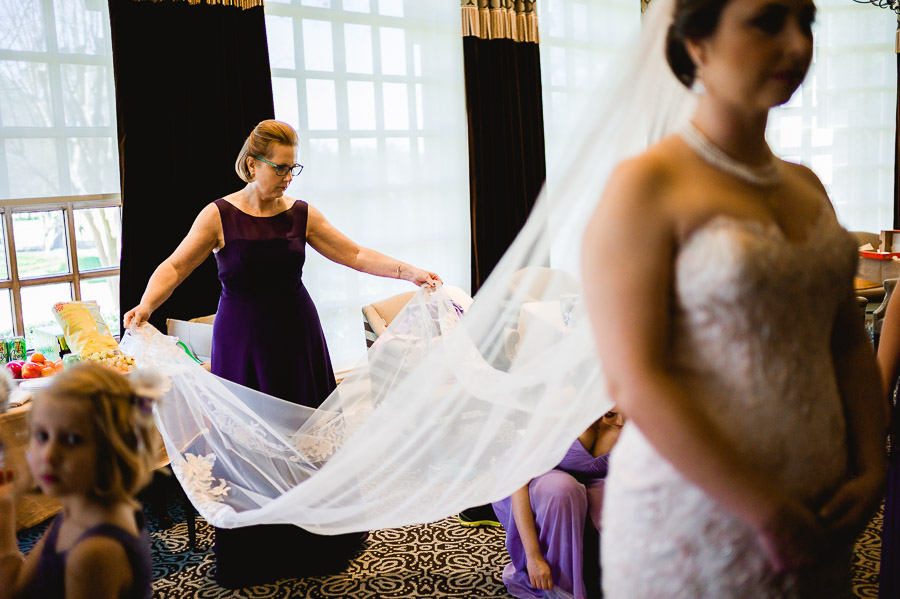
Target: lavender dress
column 567, row 503
column 267, row 336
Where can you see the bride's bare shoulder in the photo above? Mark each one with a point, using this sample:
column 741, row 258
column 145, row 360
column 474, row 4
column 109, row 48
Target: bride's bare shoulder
column 654, row 173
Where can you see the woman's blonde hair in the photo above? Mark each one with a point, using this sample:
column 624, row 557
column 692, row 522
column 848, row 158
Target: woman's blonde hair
column 260, row 141
column 126, row 438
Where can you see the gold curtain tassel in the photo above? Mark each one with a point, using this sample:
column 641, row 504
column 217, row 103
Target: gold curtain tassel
column 241, row 4
column 471, row 24
column 499, row 30
column 484, row 18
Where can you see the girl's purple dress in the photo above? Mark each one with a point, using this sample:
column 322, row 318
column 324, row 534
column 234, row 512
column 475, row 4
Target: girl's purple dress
column 267, row 336
column 567, row 503
column 49, row 580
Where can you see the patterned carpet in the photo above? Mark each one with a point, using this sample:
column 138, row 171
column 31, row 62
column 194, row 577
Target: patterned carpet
column 442, row 559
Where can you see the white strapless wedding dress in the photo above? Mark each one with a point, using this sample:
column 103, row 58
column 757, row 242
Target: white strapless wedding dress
column 751, row 336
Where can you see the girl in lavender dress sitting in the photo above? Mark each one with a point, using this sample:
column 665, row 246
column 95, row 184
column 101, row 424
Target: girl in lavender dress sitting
column 92, row 446
column 547, row 519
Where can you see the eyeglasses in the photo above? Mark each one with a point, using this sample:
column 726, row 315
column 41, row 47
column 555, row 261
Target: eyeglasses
column 282, row 169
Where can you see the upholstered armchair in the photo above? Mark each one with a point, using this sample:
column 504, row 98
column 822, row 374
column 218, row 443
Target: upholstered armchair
column 378, row 315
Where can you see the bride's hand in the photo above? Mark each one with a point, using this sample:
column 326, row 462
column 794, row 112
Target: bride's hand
column 791, row 536
column 848, row 511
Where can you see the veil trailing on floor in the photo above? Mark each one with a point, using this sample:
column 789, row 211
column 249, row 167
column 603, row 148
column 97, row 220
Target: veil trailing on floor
column 449, row 409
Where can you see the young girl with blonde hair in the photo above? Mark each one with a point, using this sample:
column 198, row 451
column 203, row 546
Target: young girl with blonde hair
column 92, row 446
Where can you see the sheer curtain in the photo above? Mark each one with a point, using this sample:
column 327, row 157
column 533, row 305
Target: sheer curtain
column 375, row 90
column 580, row 41
column 841, row 123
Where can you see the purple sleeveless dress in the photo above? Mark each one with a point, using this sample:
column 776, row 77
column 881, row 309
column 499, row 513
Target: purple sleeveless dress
column 567, row 503
column 49, row 581
column 267, row 336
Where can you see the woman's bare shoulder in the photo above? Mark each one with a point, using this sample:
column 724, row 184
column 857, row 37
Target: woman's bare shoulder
column 801, row 173
column 313, row 212
column 649, row 179
column 805, row 185
column 209, row 216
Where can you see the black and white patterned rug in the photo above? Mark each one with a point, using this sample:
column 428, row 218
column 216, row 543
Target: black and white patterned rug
column 441, row 559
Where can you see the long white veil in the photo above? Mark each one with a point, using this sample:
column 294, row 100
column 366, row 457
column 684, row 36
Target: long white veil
column 449, row 410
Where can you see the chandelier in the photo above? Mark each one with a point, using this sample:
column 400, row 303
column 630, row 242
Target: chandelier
column 893, row 5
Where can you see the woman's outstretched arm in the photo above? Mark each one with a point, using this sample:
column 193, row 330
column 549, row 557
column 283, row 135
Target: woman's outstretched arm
column 203, row 238
column 337, row 247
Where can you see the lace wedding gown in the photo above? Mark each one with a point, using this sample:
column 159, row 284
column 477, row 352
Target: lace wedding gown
column 751, row 337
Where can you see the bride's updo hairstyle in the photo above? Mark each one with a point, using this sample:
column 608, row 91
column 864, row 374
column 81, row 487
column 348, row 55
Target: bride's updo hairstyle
column 260, row 141
column 691, row 20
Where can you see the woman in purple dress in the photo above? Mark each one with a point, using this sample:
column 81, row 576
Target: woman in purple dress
column 259, row 237
column 552, row 523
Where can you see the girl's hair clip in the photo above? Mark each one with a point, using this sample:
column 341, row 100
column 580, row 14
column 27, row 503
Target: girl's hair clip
column 148, row 387
column 144, row 404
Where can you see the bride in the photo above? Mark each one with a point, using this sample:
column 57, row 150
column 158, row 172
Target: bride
column 753, row 454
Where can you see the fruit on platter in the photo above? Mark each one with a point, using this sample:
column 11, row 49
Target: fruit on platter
column 15, row 368
column 36, row 366
column 31, row 370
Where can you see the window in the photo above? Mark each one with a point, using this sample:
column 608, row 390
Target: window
column 580, row 41
column 841, row 122
column 375, row 90
column 59, row 178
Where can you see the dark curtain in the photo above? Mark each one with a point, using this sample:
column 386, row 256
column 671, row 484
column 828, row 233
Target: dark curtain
column 506, row 144
column 191, row 83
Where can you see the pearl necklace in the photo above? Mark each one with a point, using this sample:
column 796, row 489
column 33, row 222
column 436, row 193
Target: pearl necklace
column 764, row 175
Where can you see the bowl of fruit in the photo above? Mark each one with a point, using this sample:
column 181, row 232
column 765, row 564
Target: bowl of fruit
column 35, row 367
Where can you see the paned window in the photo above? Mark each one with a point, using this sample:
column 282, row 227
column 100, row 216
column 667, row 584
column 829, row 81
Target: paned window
column 375, row 90
column 842, row 121
column 59, row 178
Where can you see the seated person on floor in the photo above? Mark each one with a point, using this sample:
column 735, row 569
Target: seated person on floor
column 546, row 521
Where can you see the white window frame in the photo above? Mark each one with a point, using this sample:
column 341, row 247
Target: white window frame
column 68, row 204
